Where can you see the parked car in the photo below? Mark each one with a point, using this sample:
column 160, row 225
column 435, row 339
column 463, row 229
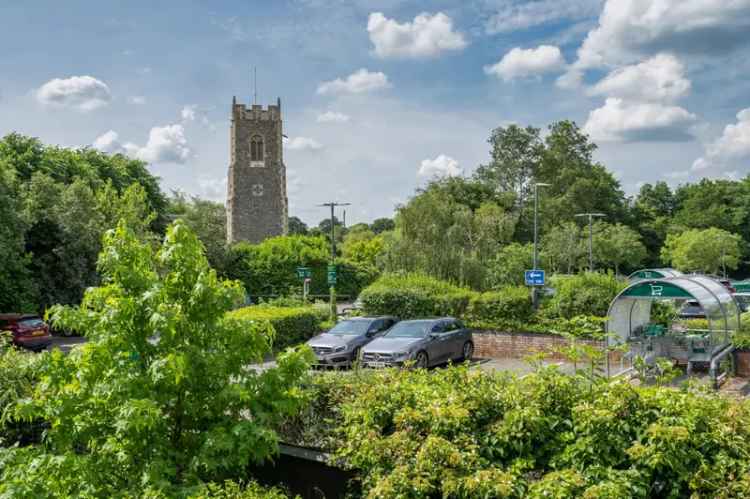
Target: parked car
column 426, row 342
column 691, row 310
column 28, row 330
column 340, row 346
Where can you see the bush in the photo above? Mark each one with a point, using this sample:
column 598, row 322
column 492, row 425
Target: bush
column 588, row 293
column 19, row 372
column 510, row 307
column 414, row 295
column 292, row 325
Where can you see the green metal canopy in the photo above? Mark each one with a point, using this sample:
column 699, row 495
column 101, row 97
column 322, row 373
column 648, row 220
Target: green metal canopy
column 653, row 274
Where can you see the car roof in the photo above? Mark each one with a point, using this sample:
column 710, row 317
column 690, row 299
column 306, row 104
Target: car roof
column 373, row 318
column 431, row 319
column 10, row 317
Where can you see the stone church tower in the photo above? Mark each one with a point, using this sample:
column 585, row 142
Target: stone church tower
column 256, row 186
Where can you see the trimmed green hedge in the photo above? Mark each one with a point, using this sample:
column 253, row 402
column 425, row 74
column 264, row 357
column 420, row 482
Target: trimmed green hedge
column 413, row 295
column 589, row 293
column 293, row 325
column 509, row 307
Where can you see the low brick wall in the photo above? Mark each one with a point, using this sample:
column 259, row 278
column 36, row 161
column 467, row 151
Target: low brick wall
column 742, row 363
column 502, row 345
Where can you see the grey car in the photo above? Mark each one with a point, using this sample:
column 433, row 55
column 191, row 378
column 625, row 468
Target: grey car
column 425, row 342
column 340, row 346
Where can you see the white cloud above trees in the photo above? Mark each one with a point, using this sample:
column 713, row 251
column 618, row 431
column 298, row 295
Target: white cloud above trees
column 622, row 121
column 166, row 144
column 302, row 144
column 514, row 15
column 82, row 93
column 440, row 166
column 428, row 35
column 731, row 147
column 523, row 63
column 361, row 81
column 657, row 79
column 332, row 117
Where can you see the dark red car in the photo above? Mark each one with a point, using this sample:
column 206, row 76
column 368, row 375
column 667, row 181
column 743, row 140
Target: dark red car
column 28, row 330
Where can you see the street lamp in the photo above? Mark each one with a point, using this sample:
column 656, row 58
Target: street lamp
column 591, row 235
column 332, row 268
column 536, row 235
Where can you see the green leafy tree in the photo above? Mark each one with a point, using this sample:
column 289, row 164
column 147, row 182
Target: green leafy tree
column 652, row 214
column 17, row 290
column 160, row 398
column 616, row 246
column 709, row 250
column 561, row 248
column 297, row 227
column 509, row 265
column 208, row 220
column 382, row 225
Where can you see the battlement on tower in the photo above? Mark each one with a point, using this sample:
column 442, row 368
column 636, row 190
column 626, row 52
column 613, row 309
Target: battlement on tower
column 256, row 111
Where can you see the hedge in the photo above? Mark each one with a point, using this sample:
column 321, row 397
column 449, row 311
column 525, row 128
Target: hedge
column 414, row 295
column 508, row 307
column 589, row 293
column 293, row 325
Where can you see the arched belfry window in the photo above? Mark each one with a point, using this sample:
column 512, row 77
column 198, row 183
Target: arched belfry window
column 256, row 148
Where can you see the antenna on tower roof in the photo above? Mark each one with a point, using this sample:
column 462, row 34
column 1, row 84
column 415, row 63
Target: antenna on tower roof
column 255, row 84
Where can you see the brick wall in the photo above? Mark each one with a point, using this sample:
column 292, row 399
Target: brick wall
column 500, row 345
column 742, row 363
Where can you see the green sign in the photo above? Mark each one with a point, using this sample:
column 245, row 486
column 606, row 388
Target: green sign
column 331, row 275
column 304, row 272
column 656, row 289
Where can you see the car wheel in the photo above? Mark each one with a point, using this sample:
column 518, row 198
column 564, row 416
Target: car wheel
column 468, row 351
column 421, row 360
column 355, row 356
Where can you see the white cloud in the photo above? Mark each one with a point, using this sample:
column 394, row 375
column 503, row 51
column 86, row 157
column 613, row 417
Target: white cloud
column 213, row 188
column 137, row 99
column 188, row 113
column 302, row 144
column 512, row 15
column 733, row 145
column 361, row 81
column 628, row 28
column 660, row 78
column 84, row 93
column 427, row 36
column 521, row 63
column 166, row 144
column 441, row 166
column 571, row 79
column 332, row 117
column 621, row 121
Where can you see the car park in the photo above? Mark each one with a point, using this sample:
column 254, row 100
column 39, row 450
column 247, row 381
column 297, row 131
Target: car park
column 423, row 342
column 340, row 346
column 27, row 330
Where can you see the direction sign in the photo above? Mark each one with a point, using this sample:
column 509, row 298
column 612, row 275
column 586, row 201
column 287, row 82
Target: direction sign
column 331, row 275
column 534, row 277
column 304, row 272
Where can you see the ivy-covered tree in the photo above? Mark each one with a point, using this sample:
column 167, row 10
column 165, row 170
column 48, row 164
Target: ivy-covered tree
column 161, row 397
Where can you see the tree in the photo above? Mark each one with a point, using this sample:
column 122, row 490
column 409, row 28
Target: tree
column 208, row 220
column 652, row 214
column 708, row 250
column 562, row 248
column 160, row 397
column 509, row 265
column 617, row 245
column 297, row 227
column 382, row 224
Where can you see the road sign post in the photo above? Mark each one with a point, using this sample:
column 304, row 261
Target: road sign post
column 534, row 277
column 332, row 282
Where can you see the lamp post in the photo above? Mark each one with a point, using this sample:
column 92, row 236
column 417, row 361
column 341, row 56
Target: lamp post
column 591, row 235
column 333, row 205
column 536, row 236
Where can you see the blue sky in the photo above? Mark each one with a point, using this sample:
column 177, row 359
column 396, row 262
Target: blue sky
column 379, row 96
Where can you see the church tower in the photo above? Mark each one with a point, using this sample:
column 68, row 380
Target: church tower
column 256, row 186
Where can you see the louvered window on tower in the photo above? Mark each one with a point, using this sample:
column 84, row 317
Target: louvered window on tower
column 256, row 148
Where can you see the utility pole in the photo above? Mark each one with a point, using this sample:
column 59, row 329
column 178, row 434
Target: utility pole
column 536, row 237
column 332, row 266
column 591, row 235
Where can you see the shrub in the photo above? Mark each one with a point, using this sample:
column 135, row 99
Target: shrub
column 588, row 293
column 19, row 372
column 414, row 295
column 509, row 307
column 292, row 325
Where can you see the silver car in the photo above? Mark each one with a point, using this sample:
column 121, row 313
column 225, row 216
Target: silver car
column 425, row 342
column 340, row 346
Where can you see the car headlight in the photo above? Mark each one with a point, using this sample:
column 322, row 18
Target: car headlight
column 401, row 355
column 339, row 349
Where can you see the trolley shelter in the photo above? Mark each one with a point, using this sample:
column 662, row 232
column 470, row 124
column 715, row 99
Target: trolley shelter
column 630, row 321
column 642, row 274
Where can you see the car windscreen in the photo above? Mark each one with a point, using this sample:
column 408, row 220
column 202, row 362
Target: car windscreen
column 409, row 329
column 31, row 322
column 354, row 328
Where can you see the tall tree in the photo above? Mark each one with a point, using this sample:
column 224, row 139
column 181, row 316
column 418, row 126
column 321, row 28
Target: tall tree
column 708, row 250
column 297, row 227
column 382, row 224
column 617, row 246
column 562, row 249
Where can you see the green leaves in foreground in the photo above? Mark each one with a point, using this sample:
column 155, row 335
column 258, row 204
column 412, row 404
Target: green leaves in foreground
column 162, row 397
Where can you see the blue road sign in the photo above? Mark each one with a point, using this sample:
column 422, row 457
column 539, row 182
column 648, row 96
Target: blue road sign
column 534, row 277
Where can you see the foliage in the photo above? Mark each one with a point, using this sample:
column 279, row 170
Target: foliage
column 16, row 282
column 208, row 220
column 233, row 490
column 582, row 294
column 458, row 432
column 292, row 325
column 414, row 295
column 296, row 227
column 508, row 307
column 617, row 246
column 508, row 266
column 160, row 397
column 362, row 246
column 380, row 225
column 19, row 372
column 708, row 250
column 562, row 250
